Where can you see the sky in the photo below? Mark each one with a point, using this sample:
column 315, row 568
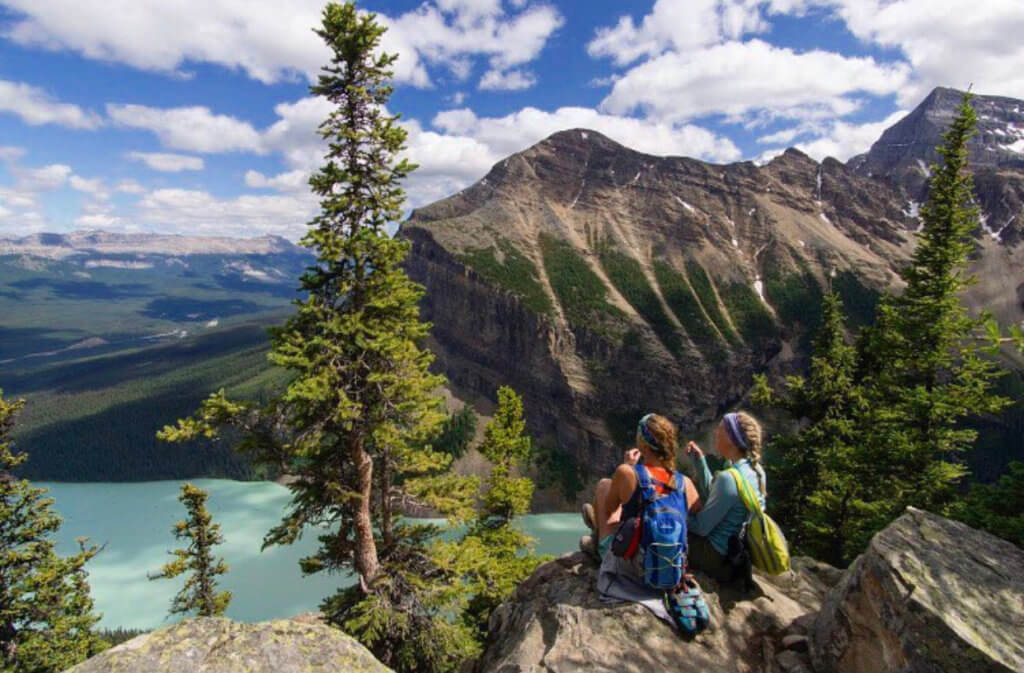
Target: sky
column 194, row 116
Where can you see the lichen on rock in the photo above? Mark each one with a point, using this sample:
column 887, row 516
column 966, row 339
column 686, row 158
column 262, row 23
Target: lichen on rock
column 219, row 645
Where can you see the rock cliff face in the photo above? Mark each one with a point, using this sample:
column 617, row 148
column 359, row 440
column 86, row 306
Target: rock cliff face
column 929, row 595
column 905, row 152
column 601, row 282
column 218, row 645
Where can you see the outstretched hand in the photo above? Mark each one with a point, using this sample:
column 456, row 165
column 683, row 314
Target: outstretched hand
column 694, row 450
column 632, row 456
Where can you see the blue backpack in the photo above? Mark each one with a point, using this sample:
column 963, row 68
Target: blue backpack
column 662, row 531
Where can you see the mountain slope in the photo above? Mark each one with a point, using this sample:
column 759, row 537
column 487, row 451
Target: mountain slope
column 600, row 281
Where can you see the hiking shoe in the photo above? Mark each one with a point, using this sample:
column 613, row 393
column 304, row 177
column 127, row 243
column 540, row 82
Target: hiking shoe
column 687, row 608
column 587, row 510
column 588, row 545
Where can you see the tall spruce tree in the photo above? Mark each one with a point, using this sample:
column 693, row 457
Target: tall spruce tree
column 826, row 495
column 923, row 367
column 199, row 595
column 496, row 555
column 352, row 424
column 46, row 611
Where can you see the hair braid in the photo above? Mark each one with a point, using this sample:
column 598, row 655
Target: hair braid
column 754, row 436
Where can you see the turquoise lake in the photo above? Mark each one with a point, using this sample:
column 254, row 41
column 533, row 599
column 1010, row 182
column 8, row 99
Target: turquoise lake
column 133, row 521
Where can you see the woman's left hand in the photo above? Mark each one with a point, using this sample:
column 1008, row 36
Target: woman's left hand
column 632, row 456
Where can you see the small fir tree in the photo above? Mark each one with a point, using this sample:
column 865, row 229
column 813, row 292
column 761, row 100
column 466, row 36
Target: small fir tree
column 199, row 595
column 496, row 555
column 824, row 486
column 352, row 423
column 46, row 611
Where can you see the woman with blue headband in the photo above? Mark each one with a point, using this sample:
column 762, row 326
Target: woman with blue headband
column 620, row 497
column 722, row 514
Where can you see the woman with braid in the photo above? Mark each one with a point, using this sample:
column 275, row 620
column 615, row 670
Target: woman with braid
column 620, row 497
column 721, row 513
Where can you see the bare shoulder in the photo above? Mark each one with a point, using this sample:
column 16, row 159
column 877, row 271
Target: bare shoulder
column 624, row 472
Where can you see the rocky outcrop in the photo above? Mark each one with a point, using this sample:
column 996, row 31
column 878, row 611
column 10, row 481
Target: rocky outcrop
column 219, row 645
column 928, row 595
column 555, row 623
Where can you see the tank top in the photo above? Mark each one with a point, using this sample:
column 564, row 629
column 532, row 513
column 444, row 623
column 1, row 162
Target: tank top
column 662, row 478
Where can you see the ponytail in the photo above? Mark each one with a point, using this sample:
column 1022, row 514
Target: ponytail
column 754, row 439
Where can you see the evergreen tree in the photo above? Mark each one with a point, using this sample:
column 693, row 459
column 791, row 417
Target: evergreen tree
column 883, row 423
column 496, row 555
column 922, row 363
column 998, row 508
column 351, row 425
column 46, row 611
column 199, row 595
column 824, row 482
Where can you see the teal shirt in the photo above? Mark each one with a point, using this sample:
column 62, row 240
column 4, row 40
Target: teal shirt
column 723, row 513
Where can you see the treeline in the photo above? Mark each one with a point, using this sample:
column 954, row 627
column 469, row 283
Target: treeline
column 885, row 422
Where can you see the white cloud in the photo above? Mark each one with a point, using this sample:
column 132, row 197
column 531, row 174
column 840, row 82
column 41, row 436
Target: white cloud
column 199, row 213
column 511, row 80
column 517, row 131
column 739, row 79
column 99, row 221
column 834, row 138
column 129, row 187
column 91, row 186
column 680, row 25
column 272, row 41
column 42, row 179
column 168, row 163
column 290, row 181
column 9, row 153
column 193, row 129
column 35, row 107
column 948, row 42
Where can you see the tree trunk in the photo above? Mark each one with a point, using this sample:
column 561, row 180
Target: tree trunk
column 366, row 561
column 386, row 524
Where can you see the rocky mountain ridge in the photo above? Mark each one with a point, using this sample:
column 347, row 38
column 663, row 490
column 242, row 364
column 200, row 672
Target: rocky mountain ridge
column 904, row 154
column 601, row 282
column 61, row 246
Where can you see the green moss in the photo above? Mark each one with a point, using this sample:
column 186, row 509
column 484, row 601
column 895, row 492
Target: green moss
column 749, row 314
column 580, row 291
column 796, row 297
column 681, row 299
column 516, row 274
column 859, row 301
column 706, row 294
column 628, row 277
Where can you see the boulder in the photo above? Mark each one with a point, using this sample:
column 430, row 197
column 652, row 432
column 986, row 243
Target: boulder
column 928, row 595
column 219, row 645
column 555, row 623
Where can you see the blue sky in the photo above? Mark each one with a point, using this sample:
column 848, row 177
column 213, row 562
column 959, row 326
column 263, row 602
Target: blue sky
column 193, row 116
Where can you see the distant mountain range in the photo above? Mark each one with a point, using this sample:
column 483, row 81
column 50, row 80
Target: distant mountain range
column 110, row 336
column 602, row 282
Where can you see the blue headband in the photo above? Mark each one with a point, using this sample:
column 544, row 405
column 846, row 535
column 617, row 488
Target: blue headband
column 646, row 433
column 732, row 426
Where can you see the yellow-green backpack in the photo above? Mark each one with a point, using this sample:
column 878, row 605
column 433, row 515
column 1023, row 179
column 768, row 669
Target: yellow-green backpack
column 769, row 551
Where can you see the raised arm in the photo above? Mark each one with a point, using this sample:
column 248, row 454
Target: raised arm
column 702, row 475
